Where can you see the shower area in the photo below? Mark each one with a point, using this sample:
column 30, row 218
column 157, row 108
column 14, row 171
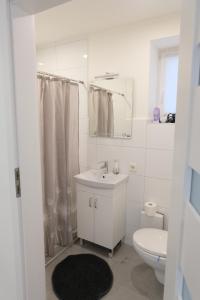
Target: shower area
column 62, row 94
column 59, row 124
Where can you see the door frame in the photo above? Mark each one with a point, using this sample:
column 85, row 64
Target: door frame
column 11, row 258
column 181, row 175
column 18, row 248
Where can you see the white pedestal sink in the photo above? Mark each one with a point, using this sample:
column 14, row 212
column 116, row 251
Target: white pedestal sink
column 101, row 207
column 98, row 179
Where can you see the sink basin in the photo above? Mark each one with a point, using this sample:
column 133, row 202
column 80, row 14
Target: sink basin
column 94, row 178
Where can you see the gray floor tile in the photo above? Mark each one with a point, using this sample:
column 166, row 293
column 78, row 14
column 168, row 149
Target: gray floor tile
column 133, row 279
column 124, row 293
column 144, row 281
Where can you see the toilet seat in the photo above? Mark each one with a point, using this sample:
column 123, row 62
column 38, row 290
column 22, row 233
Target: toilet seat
column 152, row 241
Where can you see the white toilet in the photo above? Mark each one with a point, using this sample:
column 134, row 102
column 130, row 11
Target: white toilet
column 150, row 243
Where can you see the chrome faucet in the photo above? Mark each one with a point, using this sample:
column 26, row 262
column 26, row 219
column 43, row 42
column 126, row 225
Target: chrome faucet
column 104, row 165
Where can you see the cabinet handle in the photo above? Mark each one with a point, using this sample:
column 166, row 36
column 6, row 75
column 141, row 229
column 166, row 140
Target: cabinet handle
column 90, row 202
column 95, row 203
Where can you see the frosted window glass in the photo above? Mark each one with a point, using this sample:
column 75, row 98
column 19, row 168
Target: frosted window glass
column 186, row 293
column 170, row 83
column 195, row 191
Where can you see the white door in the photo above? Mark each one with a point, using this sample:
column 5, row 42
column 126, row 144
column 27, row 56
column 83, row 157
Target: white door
column 183, row 268
column 85, row 215
column 28, row 132
column 11, row 259
column 103, row 221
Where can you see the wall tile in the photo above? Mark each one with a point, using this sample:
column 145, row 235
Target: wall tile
column 47, row 60
column 160, row 136
column 78, row 73
column 83, row 149
column 92, row 156
column 135, row 193
column 83, row 168
column 108, row 141
column 133, row 155
column 71, row 55
column 92, row 140
column 125, row 155
column 157, row 190
column 159, row 163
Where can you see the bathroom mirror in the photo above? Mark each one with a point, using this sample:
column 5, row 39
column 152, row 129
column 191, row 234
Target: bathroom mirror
column 111, row 107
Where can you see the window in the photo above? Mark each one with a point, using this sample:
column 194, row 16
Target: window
column 195, row 191
column 167, row 82
column 185, row 292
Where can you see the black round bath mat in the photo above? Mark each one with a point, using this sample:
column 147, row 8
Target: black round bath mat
column 82, row 277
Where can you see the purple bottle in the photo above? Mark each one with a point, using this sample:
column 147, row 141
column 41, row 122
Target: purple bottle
column 156, row 115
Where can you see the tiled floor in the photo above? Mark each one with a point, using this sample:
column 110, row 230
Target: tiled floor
column 133, row 280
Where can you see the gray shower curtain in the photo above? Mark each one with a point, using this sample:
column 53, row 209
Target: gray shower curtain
column 59, row 106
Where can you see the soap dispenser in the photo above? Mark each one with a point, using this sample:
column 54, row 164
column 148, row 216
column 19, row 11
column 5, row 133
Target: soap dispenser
column 116, row 167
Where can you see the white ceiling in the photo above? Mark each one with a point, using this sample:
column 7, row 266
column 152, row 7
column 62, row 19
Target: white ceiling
column 80, row 17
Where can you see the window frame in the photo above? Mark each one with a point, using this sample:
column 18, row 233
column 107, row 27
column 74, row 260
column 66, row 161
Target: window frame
column 162, row 54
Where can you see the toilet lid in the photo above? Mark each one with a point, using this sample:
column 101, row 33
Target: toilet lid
column 151, row 240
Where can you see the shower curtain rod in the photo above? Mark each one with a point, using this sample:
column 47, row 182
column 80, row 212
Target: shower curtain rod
column 39, row 73
column 112, row 92
column 104, row 89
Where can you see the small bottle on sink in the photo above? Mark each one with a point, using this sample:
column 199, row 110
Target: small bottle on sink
column 116, row 167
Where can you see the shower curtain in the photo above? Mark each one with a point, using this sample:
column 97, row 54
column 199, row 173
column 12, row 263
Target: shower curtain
column 59, row 106
column 101, row 113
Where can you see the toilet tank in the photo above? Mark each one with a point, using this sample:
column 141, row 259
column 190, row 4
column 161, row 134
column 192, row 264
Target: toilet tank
column 156, row 221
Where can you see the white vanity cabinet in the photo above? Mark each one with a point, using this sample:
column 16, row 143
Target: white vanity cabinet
column 101, row 214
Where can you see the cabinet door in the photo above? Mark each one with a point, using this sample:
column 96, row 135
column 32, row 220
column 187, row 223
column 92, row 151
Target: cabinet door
column 85, row 215
column 103, row 221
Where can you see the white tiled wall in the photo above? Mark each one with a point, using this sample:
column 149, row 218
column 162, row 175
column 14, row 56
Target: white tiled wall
column 135, row 196
column 158, row 190
column 159, row 162
column 151, row 150
column 160, row 137
column 69, row 60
